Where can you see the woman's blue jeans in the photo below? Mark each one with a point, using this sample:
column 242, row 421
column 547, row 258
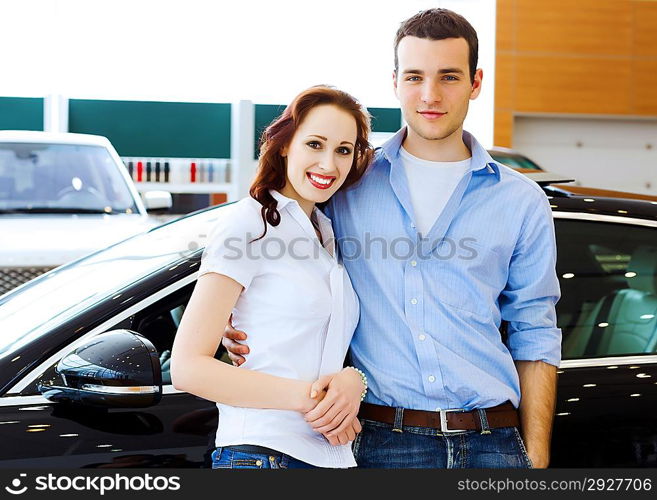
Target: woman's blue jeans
column 227, row 458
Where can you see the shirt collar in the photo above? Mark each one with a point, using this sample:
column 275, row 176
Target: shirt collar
column 283, row 200
column 481, row 162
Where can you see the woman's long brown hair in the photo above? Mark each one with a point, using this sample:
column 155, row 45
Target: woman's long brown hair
column 271, row 172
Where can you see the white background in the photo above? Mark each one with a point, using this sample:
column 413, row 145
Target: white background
column 219, row 51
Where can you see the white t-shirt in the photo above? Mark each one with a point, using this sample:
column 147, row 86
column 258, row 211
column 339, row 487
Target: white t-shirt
column 431, row 184
column 299, row 310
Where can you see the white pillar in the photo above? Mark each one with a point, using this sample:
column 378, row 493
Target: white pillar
column 55, row 113
column 242, row 136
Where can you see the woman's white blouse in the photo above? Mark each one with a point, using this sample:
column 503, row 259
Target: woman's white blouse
column 299, row 311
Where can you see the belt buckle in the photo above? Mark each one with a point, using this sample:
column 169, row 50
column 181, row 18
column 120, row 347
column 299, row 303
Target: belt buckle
column 443, row 420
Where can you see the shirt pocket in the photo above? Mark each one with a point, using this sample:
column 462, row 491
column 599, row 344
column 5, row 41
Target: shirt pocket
column 468, row 276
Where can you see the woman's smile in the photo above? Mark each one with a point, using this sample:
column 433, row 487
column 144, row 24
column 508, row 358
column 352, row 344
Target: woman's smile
column 320, row 181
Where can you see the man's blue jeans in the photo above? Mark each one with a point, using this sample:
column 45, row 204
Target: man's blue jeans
column 378, row 446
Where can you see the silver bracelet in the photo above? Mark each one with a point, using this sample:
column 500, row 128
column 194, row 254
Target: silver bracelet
column 363, row 378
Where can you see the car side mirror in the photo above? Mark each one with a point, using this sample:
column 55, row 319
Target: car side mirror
column 117, row 369
column 157, row 200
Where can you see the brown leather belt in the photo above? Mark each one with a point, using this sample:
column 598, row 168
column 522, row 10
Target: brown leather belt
column 504, row 415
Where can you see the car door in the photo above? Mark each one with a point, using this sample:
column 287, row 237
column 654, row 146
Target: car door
column 607, row 389
column 177, row 432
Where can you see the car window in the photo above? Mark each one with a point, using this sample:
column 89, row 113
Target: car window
column 608, row 277
column 61, row 176
column 159, row 324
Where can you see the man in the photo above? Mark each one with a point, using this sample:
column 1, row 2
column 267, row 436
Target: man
column 477, row 252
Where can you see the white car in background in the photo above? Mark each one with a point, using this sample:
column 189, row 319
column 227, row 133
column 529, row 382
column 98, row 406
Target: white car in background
column 63, row 196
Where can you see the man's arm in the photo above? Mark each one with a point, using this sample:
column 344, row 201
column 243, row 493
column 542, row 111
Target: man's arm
column 538, row 388
column 528, row 305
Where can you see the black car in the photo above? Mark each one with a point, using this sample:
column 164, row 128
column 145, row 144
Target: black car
column 79, row 388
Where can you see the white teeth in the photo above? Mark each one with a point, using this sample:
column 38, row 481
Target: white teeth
column 321, row 181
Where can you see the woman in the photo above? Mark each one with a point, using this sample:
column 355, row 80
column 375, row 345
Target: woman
column 271, row 262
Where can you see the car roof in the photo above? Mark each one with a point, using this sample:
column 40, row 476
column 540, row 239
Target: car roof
column 33, row 136
column 597, row 202
column 604, row 193
column 571, row 198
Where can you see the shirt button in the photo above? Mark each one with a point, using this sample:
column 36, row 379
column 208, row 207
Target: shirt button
column 413, row 226
column 413, row 301
column 413, row 263
column 422, row 336
column 432, row 378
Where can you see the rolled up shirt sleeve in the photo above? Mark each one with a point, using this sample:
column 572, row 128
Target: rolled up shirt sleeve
column 230, row 250
column 528, row 301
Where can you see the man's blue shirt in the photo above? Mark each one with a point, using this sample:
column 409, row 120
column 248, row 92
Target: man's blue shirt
column 428, row 335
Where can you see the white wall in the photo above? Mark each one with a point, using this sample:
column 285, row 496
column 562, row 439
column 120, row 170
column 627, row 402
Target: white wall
column 613, row 153
column 481, row 14
column 219, row 51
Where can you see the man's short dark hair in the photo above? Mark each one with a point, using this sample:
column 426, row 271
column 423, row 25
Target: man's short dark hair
column 439, row 24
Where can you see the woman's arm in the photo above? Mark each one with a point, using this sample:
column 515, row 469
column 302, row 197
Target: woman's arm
column 195, row 370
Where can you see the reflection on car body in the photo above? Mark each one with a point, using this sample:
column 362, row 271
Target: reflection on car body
column 605, row 417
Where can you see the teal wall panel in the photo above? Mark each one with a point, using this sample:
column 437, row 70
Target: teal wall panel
column 21, row 113
column 264, row 115
column 164, row 129
column 385, row 119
